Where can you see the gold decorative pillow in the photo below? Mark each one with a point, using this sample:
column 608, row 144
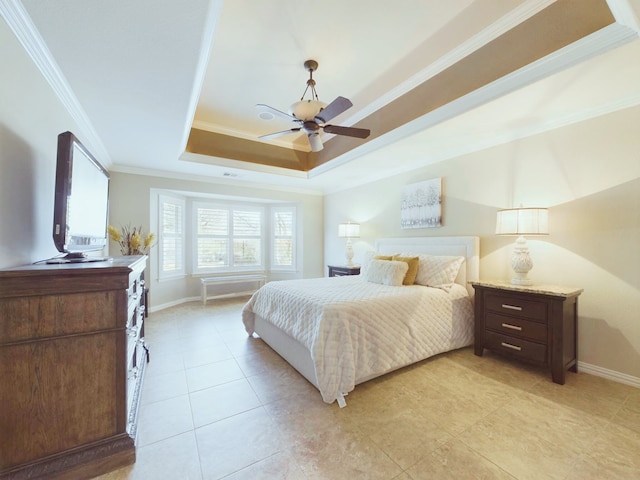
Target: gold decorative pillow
column 412, row 271
column 383, row 257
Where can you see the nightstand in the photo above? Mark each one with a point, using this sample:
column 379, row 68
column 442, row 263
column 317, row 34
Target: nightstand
column 340, row 271
column 537, row 324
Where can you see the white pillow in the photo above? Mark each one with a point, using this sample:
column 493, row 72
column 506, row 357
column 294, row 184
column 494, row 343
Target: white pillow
column 439, row 271
column 366, row 260
column 387, row 272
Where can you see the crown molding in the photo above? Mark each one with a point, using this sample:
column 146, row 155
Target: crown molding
column 216, row 128
column 213, row 15
column 590, row 46
column 241, row 166
column 624, row 14
column 246, row 179
column 507, row 22
column 27, row 34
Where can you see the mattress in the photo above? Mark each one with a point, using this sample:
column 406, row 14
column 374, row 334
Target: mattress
column 354, row 329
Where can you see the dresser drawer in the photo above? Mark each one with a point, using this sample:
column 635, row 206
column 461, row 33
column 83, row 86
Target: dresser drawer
column 517, row 307
column 516, row 327
column 515, row 346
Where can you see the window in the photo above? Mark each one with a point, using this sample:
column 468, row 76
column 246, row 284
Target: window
column 282, row 241
column 172, row 236
column 228, row 237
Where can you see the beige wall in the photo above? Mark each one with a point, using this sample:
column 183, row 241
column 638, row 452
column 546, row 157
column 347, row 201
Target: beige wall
column 31, row 117
column 588, row 174
column 131, row 203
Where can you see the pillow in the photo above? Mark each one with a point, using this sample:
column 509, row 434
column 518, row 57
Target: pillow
column 438, row 271
column 413, row 262
column 367, row 257
column 387, row 272
column 366, row 260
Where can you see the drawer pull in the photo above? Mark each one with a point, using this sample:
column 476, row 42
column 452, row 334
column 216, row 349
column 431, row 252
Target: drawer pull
column 512, row 347
column 512, row 327
column 511, row 307
column 133, row 331
column 132, row 374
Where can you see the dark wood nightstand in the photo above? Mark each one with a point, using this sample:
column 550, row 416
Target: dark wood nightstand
column 538, row 324
column 340, row 271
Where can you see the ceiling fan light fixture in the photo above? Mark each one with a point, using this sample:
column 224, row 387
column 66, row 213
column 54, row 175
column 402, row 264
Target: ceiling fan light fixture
column 315, row 142
column 306, row 109
column 312, row 115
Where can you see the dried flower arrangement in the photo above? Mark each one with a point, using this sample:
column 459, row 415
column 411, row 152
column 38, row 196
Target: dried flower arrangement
column 132, row 241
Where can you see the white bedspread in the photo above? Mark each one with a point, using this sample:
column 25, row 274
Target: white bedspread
column 356, row 330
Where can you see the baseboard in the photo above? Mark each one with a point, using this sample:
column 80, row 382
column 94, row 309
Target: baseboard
column 609, row 374
column 157, row 308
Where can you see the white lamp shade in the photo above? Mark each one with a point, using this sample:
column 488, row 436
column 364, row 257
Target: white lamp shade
column 349, row 230
column 522, row 221
column 306, row 109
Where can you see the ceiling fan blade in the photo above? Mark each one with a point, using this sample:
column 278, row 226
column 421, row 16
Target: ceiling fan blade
column 348, row 131
column 266, row 108
column 315, row 142
column 279, row 134
column 334, row 109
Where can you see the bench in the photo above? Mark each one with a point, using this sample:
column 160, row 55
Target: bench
column 258, row 279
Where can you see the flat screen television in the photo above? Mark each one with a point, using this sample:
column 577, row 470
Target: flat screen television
column 81, row 207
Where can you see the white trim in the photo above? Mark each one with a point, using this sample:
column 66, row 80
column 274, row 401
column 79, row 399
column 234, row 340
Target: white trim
column 609, row 374
column 27, row 34
column 215, row 10
column 164, row 306
column 241, row 165
column 590, row 46
column 624, row 14
column 477, row 41
column 233, row 132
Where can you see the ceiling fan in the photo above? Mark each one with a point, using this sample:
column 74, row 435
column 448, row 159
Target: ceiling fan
column 312, row 115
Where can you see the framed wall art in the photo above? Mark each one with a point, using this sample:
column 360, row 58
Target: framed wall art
column 421, row 204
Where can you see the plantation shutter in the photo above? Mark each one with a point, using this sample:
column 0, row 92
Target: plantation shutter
column 283, row 238
column 228, row 237
column 172, row 238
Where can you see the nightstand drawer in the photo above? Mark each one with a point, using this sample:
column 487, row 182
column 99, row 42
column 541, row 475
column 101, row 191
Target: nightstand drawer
column 516, row 327
column 339, row 271
column 517, row 307
column 517, row 347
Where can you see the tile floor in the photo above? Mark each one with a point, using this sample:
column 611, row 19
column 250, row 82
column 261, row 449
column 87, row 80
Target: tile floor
column 217, row 404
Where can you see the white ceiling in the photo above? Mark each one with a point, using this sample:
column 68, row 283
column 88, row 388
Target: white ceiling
column 142, row 73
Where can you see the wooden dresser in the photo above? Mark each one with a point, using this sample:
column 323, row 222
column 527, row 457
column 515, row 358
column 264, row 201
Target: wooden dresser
column 72, row 358
column 538, row 324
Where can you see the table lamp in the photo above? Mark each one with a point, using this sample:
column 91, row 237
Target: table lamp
column 521, row 222
column 349, row 230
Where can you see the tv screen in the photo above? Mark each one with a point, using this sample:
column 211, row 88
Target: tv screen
column 81, row 206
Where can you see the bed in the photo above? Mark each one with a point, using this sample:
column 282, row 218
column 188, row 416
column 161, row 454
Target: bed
column 339, row 332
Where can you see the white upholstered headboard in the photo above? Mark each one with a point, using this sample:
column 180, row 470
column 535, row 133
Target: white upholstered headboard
column 468, row 247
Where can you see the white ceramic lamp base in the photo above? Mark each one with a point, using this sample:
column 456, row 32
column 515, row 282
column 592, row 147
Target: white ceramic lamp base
column 521, row 263
column 349, row 253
